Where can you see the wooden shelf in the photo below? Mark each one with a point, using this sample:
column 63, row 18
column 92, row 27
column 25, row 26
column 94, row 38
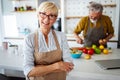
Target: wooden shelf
column 18, row 0
column 69, row 17
column 24, row 11
column 109, row 5
column 105, row 5
column 21, row 9
column 14, row 38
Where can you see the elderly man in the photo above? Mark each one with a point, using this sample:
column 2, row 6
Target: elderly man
column 97, row 28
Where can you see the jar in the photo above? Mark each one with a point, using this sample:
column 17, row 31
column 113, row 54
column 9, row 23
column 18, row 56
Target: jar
column 5, row 45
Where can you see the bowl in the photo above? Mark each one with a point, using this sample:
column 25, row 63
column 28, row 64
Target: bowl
column 76, row 55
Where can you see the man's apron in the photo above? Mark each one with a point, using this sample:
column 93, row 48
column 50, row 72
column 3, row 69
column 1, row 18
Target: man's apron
column 94, row 34
column 46, row 58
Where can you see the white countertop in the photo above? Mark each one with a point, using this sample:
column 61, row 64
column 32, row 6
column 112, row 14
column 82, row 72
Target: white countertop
column 83, row 69
column 10, row 60
column 88, row 69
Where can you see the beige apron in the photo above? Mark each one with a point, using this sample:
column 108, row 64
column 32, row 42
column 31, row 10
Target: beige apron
column 46, row 58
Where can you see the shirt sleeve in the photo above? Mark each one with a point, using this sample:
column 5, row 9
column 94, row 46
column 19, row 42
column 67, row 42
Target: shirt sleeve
column 28, row 51
column 65, row 49
column 110, row 29
column 81, row 25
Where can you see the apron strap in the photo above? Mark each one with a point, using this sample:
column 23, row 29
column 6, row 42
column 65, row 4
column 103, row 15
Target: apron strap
column 36, row 41
column 56, row 40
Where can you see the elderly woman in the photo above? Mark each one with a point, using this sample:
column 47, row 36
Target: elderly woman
column 97, row 28
column 46, row 52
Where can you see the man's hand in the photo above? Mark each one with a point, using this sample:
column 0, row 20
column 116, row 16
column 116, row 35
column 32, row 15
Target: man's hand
column 79, row 40
column 103, row 41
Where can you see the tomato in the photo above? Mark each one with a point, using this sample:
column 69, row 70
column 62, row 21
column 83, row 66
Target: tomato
column 85, row 50
column 91, row 51
column 81, row 48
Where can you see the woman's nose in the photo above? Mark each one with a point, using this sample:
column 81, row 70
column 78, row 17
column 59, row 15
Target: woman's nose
column 46, row 19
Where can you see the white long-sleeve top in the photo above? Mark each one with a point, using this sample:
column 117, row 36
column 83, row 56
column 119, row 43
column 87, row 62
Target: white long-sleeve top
column 28, row 49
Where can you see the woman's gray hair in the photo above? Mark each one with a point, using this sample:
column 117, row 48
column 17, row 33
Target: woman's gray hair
column 95, row 7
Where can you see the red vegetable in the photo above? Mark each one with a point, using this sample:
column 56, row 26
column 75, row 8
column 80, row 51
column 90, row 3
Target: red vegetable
column 85, row 50
column 91, row 51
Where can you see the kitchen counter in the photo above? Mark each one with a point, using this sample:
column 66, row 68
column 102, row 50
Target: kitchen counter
column 83, row 69
column 89, row 70
column 10, row 61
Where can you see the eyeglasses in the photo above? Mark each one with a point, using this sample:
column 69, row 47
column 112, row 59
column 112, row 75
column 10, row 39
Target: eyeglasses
column 44, row 15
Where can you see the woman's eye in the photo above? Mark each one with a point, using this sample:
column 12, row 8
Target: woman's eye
column 43, row 14
column 52, row 16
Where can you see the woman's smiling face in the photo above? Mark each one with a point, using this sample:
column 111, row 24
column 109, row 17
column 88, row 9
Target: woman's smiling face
column 46, row 19
column 47, row 15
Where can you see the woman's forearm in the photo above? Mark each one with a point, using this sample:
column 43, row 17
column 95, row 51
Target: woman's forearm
column 40, row 70
column 55, row 67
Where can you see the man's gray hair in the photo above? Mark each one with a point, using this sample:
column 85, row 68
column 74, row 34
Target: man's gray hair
column 95, row 7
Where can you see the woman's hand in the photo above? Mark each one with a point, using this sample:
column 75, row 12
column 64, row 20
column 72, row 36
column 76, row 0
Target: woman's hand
column 63, row 66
